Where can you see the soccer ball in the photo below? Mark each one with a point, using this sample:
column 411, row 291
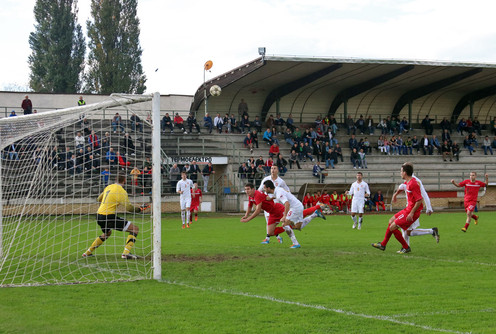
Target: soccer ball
column 215, row 90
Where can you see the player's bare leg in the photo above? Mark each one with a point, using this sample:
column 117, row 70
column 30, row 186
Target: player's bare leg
column 467, row 222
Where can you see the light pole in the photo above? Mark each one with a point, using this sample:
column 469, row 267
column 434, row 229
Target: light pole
column 208, row 65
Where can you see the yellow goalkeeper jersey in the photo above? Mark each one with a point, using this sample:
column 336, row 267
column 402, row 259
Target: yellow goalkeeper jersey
column 111, row 197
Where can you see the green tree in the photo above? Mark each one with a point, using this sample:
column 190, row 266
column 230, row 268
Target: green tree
column 58, row 48
column 115, row 53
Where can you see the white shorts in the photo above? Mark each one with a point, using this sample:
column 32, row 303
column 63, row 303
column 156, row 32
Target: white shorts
column 295, row 215
column 185, row 203
column 357, row 205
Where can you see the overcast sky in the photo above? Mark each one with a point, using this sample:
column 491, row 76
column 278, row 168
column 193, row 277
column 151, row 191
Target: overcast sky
column 178, row 37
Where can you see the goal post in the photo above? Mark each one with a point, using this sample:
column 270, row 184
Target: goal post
column 53, row 167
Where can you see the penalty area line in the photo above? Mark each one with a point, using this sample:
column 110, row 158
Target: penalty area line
column 315, row 307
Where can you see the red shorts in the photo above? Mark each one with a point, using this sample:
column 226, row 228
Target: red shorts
column 275, row 217
column 401, row 218
column 194, row 207
column 470, row 207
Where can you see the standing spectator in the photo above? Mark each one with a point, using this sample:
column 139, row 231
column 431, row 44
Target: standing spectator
column 242, row 109
column 363, row 160
column 136, row 123
column 446, row 150
column 486, row 145
column 175, row 176
column 206, row 172
column 426, row 124
column 179, row 123
column 492, row 126
column 27, row 106
column 191, row 121
column 117, row 122
column 167, row 124
column 81, row 102
column 317, row 172
column 193, row 171
column 218, row 123
column 208, row 123
column 318, row 150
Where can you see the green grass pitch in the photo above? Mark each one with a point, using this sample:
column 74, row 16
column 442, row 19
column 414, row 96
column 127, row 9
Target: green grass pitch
column 218, row 278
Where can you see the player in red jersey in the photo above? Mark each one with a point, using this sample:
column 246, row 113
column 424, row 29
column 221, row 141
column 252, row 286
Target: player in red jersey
column 196, row 199
column 407, row 216
column 472, row 187
column 259, row 200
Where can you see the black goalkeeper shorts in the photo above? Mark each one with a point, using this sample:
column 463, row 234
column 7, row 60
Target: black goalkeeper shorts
column 112, row 222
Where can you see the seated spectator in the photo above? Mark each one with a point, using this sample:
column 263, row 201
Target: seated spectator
column 379, row 201
column 367, row 148
column 297, row 136
column 268, row 165
column 105, row 176
column 404, row 126
column 293, row 159
column 254, row 138
column 446, row 151
column 469, row 127
column 288, row 137
column 370, row 125
column 267, row 137
column 339, row 152
column 383, row 125
column 355, row 158
column 257, row 124
column 117, row 122
column 331, row 158
column 318, row 150
column 273, row 150
column 167, row 123
column 408, row 146
column 486, row 145
column 179, row 123
column 269, row 123
column 462, row 126
column 426, row 124
column 245, row 124
column 350, row 125
column 317, row 172
column 208, row 123
column 79, row 140
column 455, row 151
column 467, row 143
column 248, row 142
column 380, row 145
column 394, row 146
column 445, row 125
column 234, row 124
column 191, row 122
column 122, row 160
column 307, row 151
column 395, row 125
column 494, row 142
column 476, row 126
column 110, row 157
column 333, row 124
column 360, row 124
column 259, row 162
column 243, row 171
column 353, row 143
column 279, row 123
column 136, row 123
column 415, row 144
column 128, row 144
column 135, row 173
column 281, row 164
column 473, row 139
column 446, row 136
column 436, row 144
column 492, row 126
column 427, row 145
column 290, row 122
column 363, row 160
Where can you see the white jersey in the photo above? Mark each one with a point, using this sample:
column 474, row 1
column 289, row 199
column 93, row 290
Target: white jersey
column 277, row 183
column 425, row 197
column 358, row 190
column 282, row 196
column 185, row 186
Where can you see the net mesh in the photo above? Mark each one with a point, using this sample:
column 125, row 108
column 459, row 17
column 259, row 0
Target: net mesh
column 53, row 167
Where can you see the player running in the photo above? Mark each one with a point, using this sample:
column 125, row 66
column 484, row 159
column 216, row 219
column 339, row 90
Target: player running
column 359, row 190
column 196, row 199
column 407, row 216
column 413, row 230
column 293, row 211
column 183, row 187
column 111, row 197
column 275, row 210
column 472, row 187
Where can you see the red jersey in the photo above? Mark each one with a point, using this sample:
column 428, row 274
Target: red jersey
column 268, row 206
column 326, row 199
column 307, row 200
column 195, row 197
column 472, row 190
column 413, row 194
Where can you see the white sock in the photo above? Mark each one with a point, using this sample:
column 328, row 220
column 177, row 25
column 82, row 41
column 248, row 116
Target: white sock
column 182, row 216
column 360, row 219
column 354, row 219
column 421, row 231
column 406, row 237
column 305, row 221
column 187, row 216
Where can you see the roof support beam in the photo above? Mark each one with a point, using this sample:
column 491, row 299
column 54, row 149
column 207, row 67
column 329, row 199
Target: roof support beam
column 350, row 92
column 416, row 93
column 290, row 87
column 469, row 99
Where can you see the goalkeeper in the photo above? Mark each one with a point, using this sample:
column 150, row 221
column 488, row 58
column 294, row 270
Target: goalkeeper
column 106, row 217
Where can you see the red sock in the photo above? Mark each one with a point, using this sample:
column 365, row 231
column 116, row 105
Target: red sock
column 466, row 225
column 311, row 210
column 387, row 236
column 474, row 217
column 278, row 230
column 399, row 236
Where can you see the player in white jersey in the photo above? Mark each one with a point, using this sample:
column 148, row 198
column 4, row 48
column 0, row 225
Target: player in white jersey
column 413, row 230
column 293, row 211
column 359, row 190
column 183, row 187
column 278, row 182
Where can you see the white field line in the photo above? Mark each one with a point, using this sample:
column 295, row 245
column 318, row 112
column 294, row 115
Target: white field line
column 405, row 315
column 316, row 307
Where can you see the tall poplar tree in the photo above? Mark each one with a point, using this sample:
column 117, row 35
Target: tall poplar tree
column 115, row 52
column 58, row 48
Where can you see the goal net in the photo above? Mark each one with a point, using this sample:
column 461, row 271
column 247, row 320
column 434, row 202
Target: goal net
column 53, row 167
